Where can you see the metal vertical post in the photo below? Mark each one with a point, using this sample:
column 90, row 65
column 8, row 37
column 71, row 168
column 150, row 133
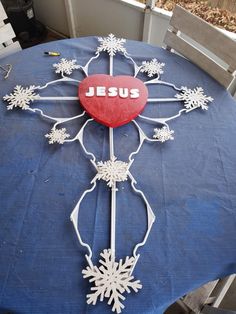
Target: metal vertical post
column 150, row 5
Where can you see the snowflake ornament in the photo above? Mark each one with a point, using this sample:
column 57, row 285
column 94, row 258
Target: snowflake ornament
column 111, row 280
column 194, row 98
column 57, row 136
column 152, row 67
column 21, row 97
column 112, row 171
column 111, row 45
column 66, row 66
column 163, row 134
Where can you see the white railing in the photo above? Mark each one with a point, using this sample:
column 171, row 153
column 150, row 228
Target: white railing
column 126, row 18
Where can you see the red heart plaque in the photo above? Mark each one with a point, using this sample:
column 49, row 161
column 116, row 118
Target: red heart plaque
column 112, row 100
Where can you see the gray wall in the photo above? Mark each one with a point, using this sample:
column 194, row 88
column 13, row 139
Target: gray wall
column 52, row 13
column 101, row 17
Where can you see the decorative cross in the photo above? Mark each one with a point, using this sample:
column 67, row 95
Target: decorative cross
column 127, row 96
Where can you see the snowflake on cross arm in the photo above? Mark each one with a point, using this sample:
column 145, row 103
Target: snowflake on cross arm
column 152, row 67
column 66, row 66
column 112, row 171
column 194, row 98
column 21, row 97
column 57, row 136
column 163, row 134
column 111, row 280
column 111, row 44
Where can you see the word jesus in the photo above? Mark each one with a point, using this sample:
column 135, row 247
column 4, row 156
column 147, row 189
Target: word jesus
column 102, row 91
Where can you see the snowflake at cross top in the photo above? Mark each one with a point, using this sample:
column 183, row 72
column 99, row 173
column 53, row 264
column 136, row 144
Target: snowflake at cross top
column 112, row 101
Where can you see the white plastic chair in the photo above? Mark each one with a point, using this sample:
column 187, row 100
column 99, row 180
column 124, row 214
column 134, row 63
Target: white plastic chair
column 7, row 45
column 196, row 39
column 207, row 298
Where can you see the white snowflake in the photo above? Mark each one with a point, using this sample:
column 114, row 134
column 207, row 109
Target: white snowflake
column 164, row 134
column 194, row 98
column 112, row 171
column 152, row 67
column 111, row 44
column 66, row 66
column 111, row 280
column 57, row 136
column 21, row 97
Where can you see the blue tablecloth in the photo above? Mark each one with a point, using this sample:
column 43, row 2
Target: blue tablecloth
column 190, row 183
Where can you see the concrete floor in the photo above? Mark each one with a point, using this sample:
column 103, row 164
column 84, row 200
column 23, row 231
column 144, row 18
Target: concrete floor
column 52, row 36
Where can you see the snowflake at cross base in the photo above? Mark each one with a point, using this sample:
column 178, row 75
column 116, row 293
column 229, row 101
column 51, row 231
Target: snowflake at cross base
column 119, row 96
column 111, row 280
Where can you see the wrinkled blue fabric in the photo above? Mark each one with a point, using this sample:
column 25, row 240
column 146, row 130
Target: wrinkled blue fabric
column 190, row 183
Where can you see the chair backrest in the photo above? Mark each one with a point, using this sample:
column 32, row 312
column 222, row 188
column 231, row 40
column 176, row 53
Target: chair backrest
column 187, row 25
column 7, row 46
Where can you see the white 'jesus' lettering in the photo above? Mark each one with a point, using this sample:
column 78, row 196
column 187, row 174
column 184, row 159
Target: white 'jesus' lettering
column 102, row 91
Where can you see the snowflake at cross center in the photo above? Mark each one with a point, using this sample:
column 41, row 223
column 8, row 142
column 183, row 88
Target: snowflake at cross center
column 112, row 101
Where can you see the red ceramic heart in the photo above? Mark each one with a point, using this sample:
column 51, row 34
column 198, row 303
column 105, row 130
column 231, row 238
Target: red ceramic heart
column 112, row 100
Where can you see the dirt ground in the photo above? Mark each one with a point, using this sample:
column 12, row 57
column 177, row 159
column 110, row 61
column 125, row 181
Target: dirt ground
column 212, row 14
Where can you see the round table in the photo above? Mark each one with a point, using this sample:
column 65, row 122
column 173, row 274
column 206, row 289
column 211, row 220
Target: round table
column 190, row 183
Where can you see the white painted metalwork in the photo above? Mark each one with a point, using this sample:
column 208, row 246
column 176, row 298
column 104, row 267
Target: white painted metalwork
column 163, row 134
column 152, row 68
column 57, row 136
column 111, row 45
column 21, row 97
column 112, row 278
column 6, row 69
column 194, row 98
column 66, row 66
column 112, row 171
